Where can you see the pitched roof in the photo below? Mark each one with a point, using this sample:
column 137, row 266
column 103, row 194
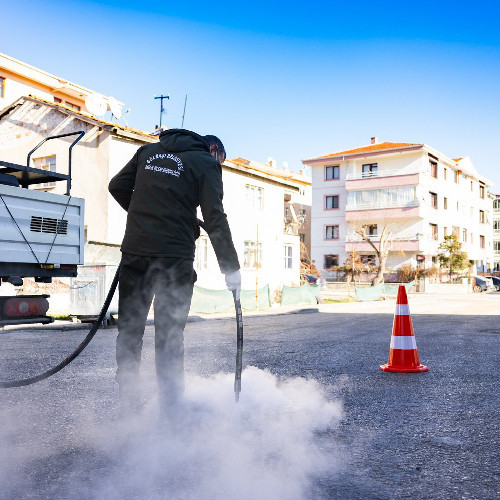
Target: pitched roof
column 382, row 146
column 84, row 116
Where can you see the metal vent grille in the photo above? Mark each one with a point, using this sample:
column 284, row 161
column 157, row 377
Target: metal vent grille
column 48, row 225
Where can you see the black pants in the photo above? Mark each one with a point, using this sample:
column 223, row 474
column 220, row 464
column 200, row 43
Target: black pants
column 171, row 282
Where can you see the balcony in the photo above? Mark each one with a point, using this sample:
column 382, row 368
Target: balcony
column 372, row 211
column 402, row 242
column 382, row 178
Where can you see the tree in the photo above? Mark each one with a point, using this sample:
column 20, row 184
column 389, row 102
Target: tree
column 382, row 251
column 451, row 255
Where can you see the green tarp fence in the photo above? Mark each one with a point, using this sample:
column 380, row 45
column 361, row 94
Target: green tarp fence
column 212, row 301
column 382, row 289
column 305, row 294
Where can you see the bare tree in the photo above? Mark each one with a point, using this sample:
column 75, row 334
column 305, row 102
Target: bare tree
column 381, row 252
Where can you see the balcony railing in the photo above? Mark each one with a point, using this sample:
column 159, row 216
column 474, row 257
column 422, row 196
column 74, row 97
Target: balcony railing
column 369, row 206
column 353, row 238
column 380, row 173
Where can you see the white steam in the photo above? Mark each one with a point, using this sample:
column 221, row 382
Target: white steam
column 266, row 446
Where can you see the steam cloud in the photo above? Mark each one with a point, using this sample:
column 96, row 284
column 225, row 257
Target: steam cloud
column 266, row 446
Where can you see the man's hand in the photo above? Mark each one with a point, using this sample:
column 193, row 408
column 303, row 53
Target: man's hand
column 233, row 282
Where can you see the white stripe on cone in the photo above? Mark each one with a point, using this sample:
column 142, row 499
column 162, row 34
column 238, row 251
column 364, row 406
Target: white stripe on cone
column 402, row 310
column 403, row 342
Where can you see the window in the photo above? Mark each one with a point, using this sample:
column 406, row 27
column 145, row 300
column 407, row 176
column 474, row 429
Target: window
column 434, row 231
column 481, row 216
column 433, row 168
column 496, row 226
column 369, row 170
column 332, row 172
column 445, row 173
column 472, row 186
column 252, row 256
column 368, row 260
column 481, row 241
column 331, row 202
column 403, row 196
column 496, row 204
column 456, row 177
column 445, row 231
column 331, row 232
column 481, row 191
column 46, row 163
column 288, row 256
column 2, row 87
column 445, row 203
column 471, row 238
column 57, row 100
column 371, row 230
column 302, row 237
column 330, row 261
column 464, row 235
column 201, row 253
column 455, row 230
column 254, row 196
column 434, row 200
column 72, row 106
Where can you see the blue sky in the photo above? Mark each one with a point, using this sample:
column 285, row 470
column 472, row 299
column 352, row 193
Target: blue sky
column 283, row 79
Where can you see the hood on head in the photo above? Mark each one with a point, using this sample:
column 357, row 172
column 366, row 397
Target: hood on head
column 179, row 140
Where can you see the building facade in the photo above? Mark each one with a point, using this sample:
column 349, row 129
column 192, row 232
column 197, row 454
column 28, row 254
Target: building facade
column 268, row 210
column 496, row 232
column 18, row 79
column 415, row 192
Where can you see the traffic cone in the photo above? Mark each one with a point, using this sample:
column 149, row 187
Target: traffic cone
column 403, row 354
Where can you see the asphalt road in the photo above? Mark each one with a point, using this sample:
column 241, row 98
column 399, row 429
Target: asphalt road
column 316, row 417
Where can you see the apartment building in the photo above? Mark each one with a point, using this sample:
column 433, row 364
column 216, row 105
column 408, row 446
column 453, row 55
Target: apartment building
column 419, row 194
column 18, row 79
column 268, row 210
column 496, row 232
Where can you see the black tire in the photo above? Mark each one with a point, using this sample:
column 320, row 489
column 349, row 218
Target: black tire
column 477, row 289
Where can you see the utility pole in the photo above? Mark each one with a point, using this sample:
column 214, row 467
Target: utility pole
column 162, row 109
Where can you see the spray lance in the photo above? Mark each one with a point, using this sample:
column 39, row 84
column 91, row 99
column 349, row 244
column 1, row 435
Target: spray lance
column 239, row 335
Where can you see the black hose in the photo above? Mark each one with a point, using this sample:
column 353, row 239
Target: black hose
column 77, row 351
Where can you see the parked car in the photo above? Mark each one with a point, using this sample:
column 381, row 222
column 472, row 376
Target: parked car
column 312, row 280
column 481, row 284
column 495, row 280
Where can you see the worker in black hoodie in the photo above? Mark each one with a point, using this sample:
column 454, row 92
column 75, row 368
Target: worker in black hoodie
column 161, row 188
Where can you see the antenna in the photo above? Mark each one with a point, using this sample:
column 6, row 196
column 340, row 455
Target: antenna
column 184, row 113
column 162, row 109
column 96, row 105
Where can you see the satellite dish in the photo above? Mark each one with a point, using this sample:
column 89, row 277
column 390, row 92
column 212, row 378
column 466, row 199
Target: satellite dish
column 96, row 105
column 115, row 107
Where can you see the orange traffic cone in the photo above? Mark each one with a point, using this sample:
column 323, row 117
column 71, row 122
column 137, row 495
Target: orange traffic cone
column 403, row 354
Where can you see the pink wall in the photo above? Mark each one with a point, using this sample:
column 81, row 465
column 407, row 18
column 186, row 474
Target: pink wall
column 381, row 182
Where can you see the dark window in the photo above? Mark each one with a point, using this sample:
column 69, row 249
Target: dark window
column 2, row 87
column 58, row 100
column 434, row 168
column 331, row 202
column 481, row 216
column 371, row 230
column 369, row 170
column 445, row 173
column 456, row 176
column 72, row 106
column 330, row 261
column 481, row 191
column 482, row 241
column 464, row 235
column 445, row 203
column 332, row 172
column 434, row 231
column 434, row 200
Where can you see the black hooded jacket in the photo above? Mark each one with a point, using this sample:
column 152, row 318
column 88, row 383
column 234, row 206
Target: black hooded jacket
column 161, row 188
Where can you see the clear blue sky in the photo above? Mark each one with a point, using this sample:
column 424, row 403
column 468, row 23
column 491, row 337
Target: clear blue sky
column 283, row 79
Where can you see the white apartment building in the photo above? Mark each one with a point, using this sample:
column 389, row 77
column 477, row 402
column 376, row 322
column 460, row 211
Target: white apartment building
column 496, row 232
column 417, row 192
column 268, row 211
